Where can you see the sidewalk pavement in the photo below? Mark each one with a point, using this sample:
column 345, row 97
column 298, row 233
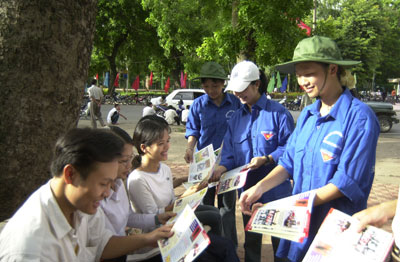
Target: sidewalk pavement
column 396, row 107
column 380, row 193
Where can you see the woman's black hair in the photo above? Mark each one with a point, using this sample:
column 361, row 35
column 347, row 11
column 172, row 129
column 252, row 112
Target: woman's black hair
column 122, row 133
column 83, row 148
column 262, row 88
column 148, row 130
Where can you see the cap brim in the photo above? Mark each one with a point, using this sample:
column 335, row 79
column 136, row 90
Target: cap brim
column 210, row 76
column 289, row 67
column 237, row 86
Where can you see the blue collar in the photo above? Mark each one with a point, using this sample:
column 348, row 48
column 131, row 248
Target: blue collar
column 339, row 110
column 262, row 103
column 208, row 100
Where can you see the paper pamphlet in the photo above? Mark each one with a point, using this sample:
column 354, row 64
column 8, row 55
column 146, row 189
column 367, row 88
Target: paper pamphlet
column 233, row 179
column 192, row 200
column 287, row 218
column 203, row 162
column 338, row 240
column 188, row 241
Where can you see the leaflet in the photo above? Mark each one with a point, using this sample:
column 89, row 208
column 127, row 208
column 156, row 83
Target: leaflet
column 287, row 218
column 202, row 164
column 187, row 242
column 233, row 179
column 192, row 200
column 338, row 240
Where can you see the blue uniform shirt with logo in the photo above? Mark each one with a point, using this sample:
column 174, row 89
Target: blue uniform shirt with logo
column 261, row 132
column 208, row 122
column 338, row 148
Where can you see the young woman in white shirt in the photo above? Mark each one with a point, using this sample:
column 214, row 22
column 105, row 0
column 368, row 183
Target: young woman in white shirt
column 151, row 185
column 116, row 207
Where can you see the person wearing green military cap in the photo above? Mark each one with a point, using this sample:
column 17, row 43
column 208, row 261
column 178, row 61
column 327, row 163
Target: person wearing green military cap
column 333, row 147
column 207, row 124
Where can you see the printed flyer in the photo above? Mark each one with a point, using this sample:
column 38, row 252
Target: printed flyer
column 233, row 179
column 188, row 241
column 338, row 240
column 287, row 218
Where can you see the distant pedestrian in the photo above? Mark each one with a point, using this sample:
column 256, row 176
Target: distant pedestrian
column 171, row 116
column 149, row 109
column 113, row 115
column 96, row 95
column 185, row 114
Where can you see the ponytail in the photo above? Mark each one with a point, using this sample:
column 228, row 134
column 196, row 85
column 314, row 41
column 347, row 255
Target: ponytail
column 136, row 161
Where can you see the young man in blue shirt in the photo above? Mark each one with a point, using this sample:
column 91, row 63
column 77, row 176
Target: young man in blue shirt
column 333, row 147
column 206, row 124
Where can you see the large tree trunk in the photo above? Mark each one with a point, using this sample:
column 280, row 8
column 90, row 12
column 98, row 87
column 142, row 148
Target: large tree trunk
column 45, row 48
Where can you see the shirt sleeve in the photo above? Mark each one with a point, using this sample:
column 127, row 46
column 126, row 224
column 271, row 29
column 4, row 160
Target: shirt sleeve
column 142, row 221
column 99, row 234
column 287, row 159
column 286, row 126
column 193, row 124
column 142, row 198
column 356, row 168
column 227, row 154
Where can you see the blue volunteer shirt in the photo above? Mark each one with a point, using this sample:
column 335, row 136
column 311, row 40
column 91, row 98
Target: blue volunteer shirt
column 261, row 132
column 338, row 148
column 208, row 122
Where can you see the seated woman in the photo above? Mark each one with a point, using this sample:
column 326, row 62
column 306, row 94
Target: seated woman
column 151, row 186
column 116, row 207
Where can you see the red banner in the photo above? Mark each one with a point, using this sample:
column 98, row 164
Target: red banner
column 303, row 26
column 151, row 79
column 184, row 80
column 135, row 84
column 166, row 87
column 116, row 82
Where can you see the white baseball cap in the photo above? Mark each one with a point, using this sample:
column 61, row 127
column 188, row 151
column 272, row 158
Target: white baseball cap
column 242, row 75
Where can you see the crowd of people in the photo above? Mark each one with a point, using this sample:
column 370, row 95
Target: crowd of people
column 100, row 186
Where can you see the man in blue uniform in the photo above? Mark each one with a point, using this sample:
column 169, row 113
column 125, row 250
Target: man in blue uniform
column 206, row 124
column 333, row 147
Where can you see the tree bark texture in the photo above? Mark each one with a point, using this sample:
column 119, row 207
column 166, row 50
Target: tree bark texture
column 45, row 48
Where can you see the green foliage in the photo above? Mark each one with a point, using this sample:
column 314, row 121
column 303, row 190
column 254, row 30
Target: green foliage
column 367, row 31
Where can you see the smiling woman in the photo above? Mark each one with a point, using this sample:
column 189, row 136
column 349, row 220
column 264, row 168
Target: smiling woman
column 333, row 147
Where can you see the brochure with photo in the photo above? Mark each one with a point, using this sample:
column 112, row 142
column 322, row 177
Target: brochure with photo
column 192, row 200
column 287, row 218
column 337, row 240
column 187, row 242
column 203, row 162
column 233, row 179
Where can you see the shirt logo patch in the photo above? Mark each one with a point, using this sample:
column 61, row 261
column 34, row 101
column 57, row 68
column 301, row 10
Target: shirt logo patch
column 331, row 146
column 267, row 134
column 326, row 156
column 229, row 114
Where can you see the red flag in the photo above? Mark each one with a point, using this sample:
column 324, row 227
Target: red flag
column 166, row 87
column 97, row 76
column 151, row 79
column 184, row 80
column 181, row 79
column 303, row 26
column 116, row 82
column 135, row 84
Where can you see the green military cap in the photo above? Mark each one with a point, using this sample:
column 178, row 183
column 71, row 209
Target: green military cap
column 315, row 49
column 212, row 70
